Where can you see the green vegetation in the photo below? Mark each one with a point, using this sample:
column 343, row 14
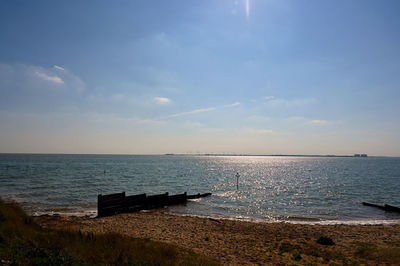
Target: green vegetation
column 389, row 254
column 287, row 247
column 296, row 256
column 23, row 242
column 359, row 253
column 311, row 251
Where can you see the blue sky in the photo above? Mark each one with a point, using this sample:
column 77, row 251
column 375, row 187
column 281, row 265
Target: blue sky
column 153, row 77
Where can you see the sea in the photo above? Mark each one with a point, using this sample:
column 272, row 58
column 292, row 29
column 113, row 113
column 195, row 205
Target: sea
column 315, row 190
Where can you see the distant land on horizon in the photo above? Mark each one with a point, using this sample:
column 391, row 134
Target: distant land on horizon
column 206, row 154
column 276, row 155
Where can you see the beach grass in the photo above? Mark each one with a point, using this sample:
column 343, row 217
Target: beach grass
column 161, row 239
column 389, row 254
column 23, row 242
column 248, row 243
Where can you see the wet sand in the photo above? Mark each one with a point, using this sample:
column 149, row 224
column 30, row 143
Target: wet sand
column 238, row 242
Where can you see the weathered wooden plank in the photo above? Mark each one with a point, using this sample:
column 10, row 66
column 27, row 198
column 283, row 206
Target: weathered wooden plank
column 156, row 201
column 385, row 207
column 177, row 199
column 198, row 195
column 111, row 197
column 118, row 202
column 195, row 196
column 135, row 199
column 110, row 204
column 391, row 208
column 134, row 203
column 372, row 205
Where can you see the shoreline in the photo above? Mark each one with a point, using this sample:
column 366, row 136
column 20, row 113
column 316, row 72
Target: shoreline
column 290, row 220
column 241, row 242
column 92, row 213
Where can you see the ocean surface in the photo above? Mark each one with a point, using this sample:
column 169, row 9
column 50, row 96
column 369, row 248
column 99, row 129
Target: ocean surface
column 325, row 190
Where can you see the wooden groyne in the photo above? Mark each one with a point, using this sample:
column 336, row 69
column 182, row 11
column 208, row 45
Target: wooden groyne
column 385, row 207
column 120, row 203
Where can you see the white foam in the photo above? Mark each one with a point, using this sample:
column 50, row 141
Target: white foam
column 348, row 222
column 275, row 220
column 78, row 213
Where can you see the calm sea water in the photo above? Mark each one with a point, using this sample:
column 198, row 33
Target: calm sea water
column 295, row 189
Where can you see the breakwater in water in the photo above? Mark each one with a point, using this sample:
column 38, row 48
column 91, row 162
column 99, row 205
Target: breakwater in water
column 298, row 189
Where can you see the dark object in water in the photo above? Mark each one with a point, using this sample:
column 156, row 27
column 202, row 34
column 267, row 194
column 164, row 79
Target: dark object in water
column 385, row 207
column 119, row 203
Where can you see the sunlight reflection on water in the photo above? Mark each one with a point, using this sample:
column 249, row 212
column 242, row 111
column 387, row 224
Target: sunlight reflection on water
column 270, row 188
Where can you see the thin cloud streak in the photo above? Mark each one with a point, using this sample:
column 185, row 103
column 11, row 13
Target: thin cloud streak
column 54, row 79
column 201, row 110
column 196, row 111
column 162, row 100
column 232, row 105
column 25, row 77
column 264, row 131
column 307, row 121
column 288, row 103
column 59, row 68
column 319, row 122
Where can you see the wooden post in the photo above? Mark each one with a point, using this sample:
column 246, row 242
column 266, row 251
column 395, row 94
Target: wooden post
column 110, row 204
column 237, row 180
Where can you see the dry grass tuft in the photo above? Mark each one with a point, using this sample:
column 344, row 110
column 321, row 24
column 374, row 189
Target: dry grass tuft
column 23, row 242
column 389, row 253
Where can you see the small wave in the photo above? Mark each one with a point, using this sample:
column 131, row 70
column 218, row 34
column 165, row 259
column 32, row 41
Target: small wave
column 195, row 200
column 229, row 218
column 87, row 209
column 304, row 219
column 348, row 222
column 227, row 193
column 79, row 213
column 292, row 220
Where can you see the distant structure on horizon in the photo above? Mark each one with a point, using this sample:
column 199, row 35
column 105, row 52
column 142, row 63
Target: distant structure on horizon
column 361, row 155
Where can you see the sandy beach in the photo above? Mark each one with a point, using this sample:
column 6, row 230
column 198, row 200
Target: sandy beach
column 238, row 242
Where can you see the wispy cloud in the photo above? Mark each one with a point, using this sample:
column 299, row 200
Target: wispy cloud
column 307, row 121
column 261, row 118
column 36, row 78
column 54, row 79
column 59, row 68
column 319, row 122
column 263, row 131
column 232, row 105
column 256, row 131
column 201, row 110
column 288, row 103
column 162, row 100
column 196, row 111
column 297, row 118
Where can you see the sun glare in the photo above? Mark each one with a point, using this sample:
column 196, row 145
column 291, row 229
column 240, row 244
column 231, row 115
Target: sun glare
column 247, row 8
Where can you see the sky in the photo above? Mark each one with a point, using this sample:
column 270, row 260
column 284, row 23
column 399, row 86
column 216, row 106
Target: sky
column 221, row 76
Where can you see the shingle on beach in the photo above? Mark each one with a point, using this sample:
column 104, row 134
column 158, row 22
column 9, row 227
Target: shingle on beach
column 239, row 242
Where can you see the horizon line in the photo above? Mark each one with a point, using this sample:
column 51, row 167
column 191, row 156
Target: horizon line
column 201, row 154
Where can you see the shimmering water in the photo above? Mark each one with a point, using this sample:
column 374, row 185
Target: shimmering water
column 300, row 189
